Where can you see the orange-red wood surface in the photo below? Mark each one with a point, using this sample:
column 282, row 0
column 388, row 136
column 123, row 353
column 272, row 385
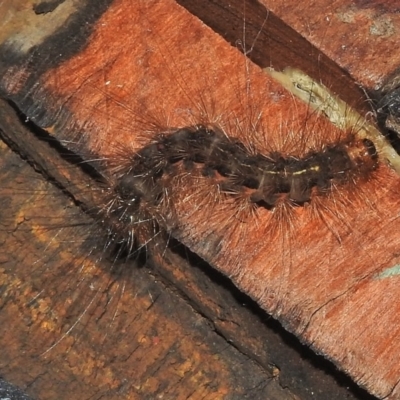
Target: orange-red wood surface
column 327, row 271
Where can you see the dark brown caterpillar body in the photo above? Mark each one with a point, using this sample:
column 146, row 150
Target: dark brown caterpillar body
column 264, row 179
column 140, row 193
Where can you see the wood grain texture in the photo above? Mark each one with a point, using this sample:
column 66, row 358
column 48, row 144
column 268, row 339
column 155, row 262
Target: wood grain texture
column 64, row 306
column 360, row 36
column 274, row 43
column 330, row 292
column 74, row 324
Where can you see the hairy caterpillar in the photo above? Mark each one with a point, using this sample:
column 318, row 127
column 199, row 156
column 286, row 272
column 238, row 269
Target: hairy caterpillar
column 258, row 118
column 262, row 180
column 182, row 188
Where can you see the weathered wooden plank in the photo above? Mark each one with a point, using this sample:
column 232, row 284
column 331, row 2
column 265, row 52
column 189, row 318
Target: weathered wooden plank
column 269, row 42
column 360, row 36
column 75, row 324
column 306, row 278
column 46, row 283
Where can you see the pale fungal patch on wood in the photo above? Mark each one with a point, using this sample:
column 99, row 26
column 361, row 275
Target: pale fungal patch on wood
column 322, row 100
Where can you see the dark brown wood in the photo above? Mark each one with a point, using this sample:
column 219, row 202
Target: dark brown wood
column 360, row 36
column 269, row 42
column 74, row 325
column 53, row 303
